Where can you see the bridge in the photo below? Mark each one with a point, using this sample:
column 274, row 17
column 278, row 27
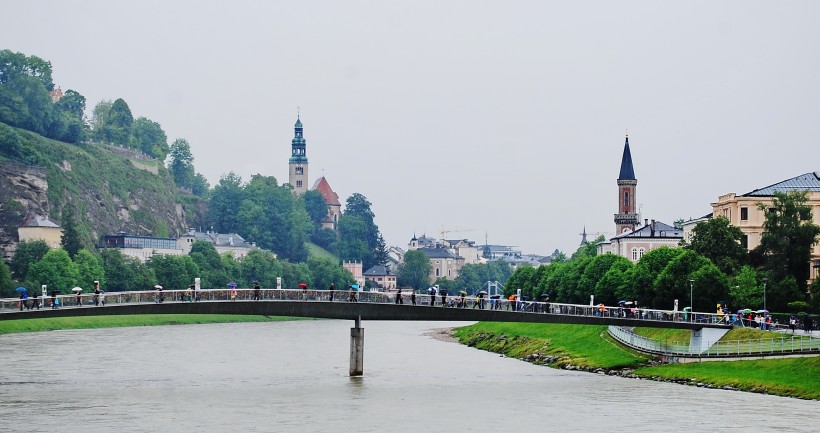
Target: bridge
column 357, row 306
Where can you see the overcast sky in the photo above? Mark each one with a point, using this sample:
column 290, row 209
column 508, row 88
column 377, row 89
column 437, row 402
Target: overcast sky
column 502, row 118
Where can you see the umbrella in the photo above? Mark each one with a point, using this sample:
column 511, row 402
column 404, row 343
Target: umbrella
column 463, row 293
column 303, row 285
column 484, row 292
column 761, row 311
column 21, row 289
column 232, row 284
column 544, row 296
column 628, row 303
column 355, row 286
column 158, row 287
column 747, row 310
column 495, row 296
column 77, row 289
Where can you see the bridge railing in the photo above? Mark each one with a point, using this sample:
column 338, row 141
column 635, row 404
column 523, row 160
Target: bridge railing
column 777, row 344
column 210, row 295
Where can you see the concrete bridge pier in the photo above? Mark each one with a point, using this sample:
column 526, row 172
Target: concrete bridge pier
column 357, row 348
column 702, row 339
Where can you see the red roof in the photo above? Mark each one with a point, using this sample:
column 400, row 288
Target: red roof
column 323, row 187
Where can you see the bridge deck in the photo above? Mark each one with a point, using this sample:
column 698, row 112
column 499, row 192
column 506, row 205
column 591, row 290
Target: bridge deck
column 369, row 308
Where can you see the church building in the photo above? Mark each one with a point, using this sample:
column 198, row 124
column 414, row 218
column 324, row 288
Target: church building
column 630, row 241
column 298, row 177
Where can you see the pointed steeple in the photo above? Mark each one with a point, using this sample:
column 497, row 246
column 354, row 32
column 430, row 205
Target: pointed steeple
column 627, row 172
column 584, row 240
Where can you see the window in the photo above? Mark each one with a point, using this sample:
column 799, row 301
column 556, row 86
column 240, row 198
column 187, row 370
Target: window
column 634, row 254
column 298, row 183
column 438, row 272
column 300, row 170
column 626, row 198
column 744, row 214
column 640, row 253
column 744, row 241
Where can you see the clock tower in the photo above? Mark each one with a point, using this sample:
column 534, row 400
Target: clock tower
column 298, row 163
column 627, row 217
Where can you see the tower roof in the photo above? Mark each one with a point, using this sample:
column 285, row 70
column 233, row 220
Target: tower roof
column 627, row 172
column 298, row 123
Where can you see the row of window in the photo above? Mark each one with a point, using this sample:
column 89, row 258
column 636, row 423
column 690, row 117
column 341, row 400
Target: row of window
column 637, row 253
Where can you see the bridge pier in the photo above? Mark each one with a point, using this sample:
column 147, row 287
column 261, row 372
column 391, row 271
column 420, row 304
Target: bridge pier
column 357, row 348
column 702, row 339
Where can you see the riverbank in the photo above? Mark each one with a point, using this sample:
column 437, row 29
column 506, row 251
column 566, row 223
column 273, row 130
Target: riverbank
column 92, row 322
column 590, row 348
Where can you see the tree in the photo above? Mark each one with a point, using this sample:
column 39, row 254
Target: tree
column 748, row 289
column 690, row 278
column 72, row 103
column 647, row 270
column 199, row 185
column 316, row 206
column 595, row 272
column 89, row 269
column 325, row 272
column 174, row 272
column 358, row 233
column 70, row 239
column 414, row 272
column 99, row 118
column 119, row 123
column 225, row 200
column 181, row 163
column 212, row 272
column 6, row 285
column 123, row 273
column 788, row 237
column 325, row 238
column 56, row 270
column 719, row 241
column 148, row 137
column 28, row 253
column 261, row 266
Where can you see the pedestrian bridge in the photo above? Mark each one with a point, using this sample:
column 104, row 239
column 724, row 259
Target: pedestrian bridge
column 355, row 306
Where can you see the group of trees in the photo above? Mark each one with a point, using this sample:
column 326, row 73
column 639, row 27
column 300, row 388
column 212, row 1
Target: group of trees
column 25, row 100
column 712, row 268
column 35, row 264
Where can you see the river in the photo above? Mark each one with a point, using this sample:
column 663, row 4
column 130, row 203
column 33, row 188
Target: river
column 293, row 377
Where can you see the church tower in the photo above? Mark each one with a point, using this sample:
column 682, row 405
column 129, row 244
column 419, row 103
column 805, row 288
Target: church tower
column 298, row 164
column 627, row 217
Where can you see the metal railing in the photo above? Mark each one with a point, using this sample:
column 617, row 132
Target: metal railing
column 775, row 345
column 83, row 300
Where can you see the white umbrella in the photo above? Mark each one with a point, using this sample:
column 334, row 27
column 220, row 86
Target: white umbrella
column 157, row 286
column 77, row 289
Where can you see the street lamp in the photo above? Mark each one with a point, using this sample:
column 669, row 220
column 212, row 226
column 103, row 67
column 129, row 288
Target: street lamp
column 764, row 292
column 691, row 288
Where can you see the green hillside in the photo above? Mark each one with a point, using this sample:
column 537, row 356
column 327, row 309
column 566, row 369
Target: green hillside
column 105, row 189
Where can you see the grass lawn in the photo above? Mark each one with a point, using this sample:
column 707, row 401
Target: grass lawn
column 579, row 345
column 794, row 377
column 317, row 251
column 53, row 323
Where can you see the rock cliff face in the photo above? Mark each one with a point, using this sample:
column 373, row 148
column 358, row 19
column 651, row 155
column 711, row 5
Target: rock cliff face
column 23, row 189
column 106, row 192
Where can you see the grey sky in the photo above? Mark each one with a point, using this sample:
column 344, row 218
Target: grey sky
column 506, row 118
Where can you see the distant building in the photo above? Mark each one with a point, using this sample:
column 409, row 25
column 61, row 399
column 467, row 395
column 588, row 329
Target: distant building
column 298, row 163
column 355, row 269
column 222, row 242
column 634, row 244
column 381, row 276
column 145, row 247
column 500, row 251
column 443, row 263
column 141, row 247
column 334, row 206
column 742, row 211
column 39, row 227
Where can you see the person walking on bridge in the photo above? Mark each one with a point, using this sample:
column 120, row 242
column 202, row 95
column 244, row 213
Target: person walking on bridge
column 257, row 291
column 413, row 297
column 399, row 300
column 331, row 288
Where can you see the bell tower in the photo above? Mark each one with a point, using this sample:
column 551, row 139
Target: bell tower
column 298, row 163
column 627, row 217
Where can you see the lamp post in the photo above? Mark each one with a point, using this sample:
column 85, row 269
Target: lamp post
column 691, row 289
column 764, row 292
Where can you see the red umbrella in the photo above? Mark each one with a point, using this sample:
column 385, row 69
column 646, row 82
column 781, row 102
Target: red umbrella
column 303, row 285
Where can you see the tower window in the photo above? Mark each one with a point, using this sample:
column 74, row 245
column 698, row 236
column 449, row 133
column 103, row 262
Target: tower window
column 626, row 198
column 300, row 170
column 298, row 183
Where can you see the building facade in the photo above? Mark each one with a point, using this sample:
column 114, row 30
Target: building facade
column 743, row 212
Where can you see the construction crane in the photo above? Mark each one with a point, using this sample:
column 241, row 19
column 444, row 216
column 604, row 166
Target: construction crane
column 444, row 231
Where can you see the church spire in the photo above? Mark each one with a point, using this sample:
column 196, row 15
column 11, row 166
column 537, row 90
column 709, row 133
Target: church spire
column 627, row 172
column 584, row 240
